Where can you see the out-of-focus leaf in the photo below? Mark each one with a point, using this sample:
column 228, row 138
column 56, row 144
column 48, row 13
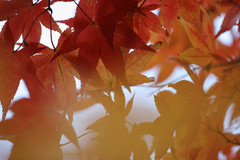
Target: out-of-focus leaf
column 138, row 59
column 197, row 57
column 113, row 139
column 169, row 12
column 119, row 97
column 129, row 106
column 195, row 36
column 82, row 104
column 13, row 66
column 139, row 146
column 68, row 130
column 57, row 74
column 230, row 19
column 134, row 64
column 145, row 21
column 34, row 129
column 162, row 131
column 190, row 11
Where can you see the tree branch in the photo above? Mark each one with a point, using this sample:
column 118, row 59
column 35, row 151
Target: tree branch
column 235, row 141
column 76, row 138
column 142, row 4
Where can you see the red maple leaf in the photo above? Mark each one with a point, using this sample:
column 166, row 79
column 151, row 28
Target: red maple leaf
column 145, row 21
column 26, row 17
column 10, row 72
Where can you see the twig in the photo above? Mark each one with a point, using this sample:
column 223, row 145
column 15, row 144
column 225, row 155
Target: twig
column 142, row 4
column 76, row 138
column 51, row 37
column 236, row 142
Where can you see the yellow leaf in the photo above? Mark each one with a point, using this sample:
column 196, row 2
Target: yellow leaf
column 197, row 57
column 195, row 36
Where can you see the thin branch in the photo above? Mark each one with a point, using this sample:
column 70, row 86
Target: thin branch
column 76, row 138
column 49, row 3
column 235, row 141
column 142, row 4
column 51, row 36
column 51, row 12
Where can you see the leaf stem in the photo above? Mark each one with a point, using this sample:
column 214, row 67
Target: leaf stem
column 236, row 142
column 29, row 31
column 77, row 138
column 142, row 4
column 51, row 36
column 51, row 11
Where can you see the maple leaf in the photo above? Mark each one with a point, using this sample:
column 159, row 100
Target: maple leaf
column 85, row 14
column 96, row 49
column 10, row 66
column 9, row 77
column 88, row 57
column 162, row 131
column 112, row 125
column 197, row 57
column 34, row 129
column 86, row 64
column 169, row 12
column 205, row 143
column 116, row 107
column 33, row 15
column 145, row 21
column 134, row 64
column 165, row 58
column 105, row 17
column 127, row 38
column 58, row 73
column 190, row 11
column 227, row 88
column 139, row 147
column 114, row 140
column 202, row 38
column 32, row 117
column 228, row 52
column 195, row 36
column 108, row 52
column 175, row 110
column 237, row 156
column 108, row 13
column 230, row 19
column 13, row 7
column 28, row 126
column 208, row 30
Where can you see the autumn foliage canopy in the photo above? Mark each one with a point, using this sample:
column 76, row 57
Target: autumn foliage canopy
column 106, row 45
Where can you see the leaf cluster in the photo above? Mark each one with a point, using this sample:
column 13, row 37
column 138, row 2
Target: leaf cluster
column 106, row 45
